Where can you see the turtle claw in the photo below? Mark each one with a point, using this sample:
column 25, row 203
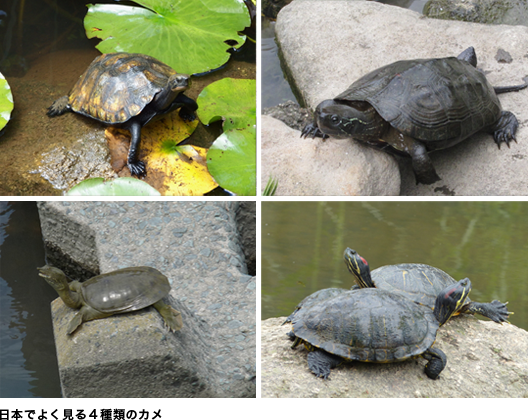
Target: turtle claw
column 313, row 130
column 137, row 168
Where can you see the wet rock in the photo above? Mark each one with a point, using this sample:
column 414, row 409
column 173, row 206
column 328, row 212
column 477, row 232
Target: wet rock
column 382, row 34
column 333, row 167
column 290, row 114
column 484, row 359
column 505, row 12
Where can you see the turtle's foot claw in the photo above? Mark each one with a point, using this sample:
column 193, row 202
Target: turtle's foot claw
column 313, row 130
column 137, row 168
column 504, row 136
column 187, row 116
column 500, row 313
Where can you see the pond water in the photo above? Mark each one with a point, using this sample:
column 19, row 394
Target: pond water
column 303, row 245
column 28, row 363
column 46, row 156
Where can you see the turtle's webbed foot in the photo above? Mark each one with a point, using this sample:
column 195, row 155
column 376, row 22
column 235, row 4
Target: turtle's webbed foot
column 504, row 130
column 187, row 115
column 137, row 168
column 320, row 363
column 496, row 311
column 59, row 107
column 313, row 130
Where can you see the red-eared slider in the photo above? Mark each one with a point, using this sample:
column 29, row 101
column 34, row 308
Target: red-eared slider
column 128, row 90
column 377, row 326
column 420, row 283
column 413, row 107
column 120, row 291
column 314, row 298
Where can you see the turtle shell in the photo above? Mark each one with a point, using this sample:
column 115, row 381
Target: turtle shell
column 419, row 282
column 441, row 100
column 316, row 297
column 117, row 87
column 125, row 290
column 368, row 325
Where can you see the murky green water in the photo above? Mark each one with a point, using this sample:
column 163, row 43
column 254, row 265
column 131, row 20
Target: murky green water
column 303, row 244
column 28, row 364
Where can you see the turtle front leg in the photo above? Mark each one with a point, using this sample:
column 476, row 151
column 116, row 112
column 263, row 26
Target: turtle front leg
column 137, row 167
column 437, row 362
column 188, row 108
column 86, row 313
column 496, row 311
column 313, row 130
column 172, row 317
column 320, row 362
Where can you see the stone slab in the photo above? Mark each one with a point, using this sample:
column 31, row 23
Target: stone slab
column 195, row 244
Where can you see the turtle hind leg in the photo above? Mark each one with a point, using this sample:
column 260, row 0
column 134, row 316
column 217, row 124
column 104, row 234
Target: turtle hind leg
column 172, row 317
column 437, row 362
column 496, row 311
column 320, row 362
column 504, row 129
column 59, row 107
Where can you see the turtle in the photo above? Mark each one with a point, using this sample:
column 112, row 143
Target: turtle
column 128, row 90
column 413, row 107
column 377, row 326
column 420, row 283
column 125, row 290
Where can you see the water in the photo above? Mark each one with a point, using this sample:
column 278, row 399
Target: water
column 28, row 363
column 303, row 244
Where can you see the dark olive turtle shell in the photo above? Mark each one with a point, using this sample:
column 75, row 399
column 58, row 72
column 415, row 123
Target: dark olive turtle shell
column 117, row 87
column 316, row 297
column 368, row 325
column 441, row 100
column 419, row 282
column 125, row 290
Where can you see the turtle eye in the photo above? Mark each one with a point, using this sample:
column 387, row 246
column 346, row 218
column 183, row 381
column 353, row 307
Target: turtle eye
column 335, row 119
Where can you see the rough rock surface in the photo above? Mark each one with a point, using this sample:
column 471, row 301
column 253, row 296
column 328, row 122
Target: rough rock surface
column 196, row 245
column 327, row 45
column 313, row 167
column 484, row 359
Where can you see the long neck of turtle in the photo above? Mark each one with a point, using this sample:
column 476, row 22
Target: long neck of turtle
column 361, row 273
column 70, row 297
column 443, row 310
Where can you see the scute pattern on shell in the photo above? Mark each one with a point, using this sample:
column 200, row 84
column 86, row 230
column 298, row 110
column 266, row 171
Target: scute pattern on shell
column 418, row 282
column 117, row 87
column 433, row 100
column 368, row 325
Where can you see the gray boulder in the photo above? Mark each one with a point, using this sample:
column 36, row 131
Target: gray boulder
column 484, row 359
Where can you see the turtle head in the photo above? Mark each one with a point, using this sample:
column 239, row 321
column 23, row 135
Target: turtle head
column 343, row 119
column 450, row 300
column 359, row 267
column 55, row 277
column 179, row 82
column 58, row 280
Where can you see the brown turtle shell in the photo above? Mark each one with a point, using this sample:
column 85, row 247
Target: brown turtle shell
column 117, row 87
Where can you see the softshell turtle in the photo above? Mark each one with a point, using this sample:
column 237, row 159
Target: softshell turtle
column 413, row 107
column 128, row 90
column 377, row 326
column 120, row 291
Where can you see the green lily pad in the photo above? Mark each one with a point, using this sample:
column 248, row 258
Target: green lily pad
column 6, row 102
column 188, row 35
column 118, row 186
column 232, row 159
